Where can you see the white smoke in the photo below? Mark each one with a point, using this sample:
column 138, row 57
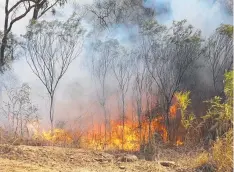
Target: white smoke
column 205, row 15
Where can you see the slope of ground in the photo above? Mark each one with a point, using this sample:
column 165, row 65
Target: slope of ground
column 55, row 159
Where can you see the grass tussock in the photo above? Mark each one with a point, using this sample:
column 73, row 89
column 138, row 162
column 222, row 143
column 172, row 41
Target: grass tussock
column 222, row 153
column 201, row 159
column 220, row 156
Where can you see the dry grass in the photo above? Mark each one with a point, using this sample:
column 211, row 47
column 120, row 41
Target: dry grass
column 219, row 158
column 7, row 165
column 51, row 159
column 222, row 153
column 201, row 160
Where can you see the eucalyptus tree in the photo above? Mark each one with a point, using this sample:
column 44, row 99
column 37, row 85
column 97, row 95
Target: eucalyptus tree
column 168, row 56
column 43, row 6
column 121, row 67
column 51, row 47
column 101, row 68
column 138, row 89
column 15, row 13
column 219, row 55
column 18, row 109
column 110, row 13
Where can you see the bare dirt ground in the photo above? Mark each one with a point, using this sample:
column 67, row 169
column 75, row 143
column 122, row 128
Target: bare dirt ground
column 55, row 159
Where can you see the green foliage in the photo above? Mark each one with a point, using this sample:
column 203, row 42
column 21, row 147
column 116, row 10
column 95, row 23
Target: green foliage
column 226, row 30
column 222, row 113
column 195, row 39
column 32, row 22
column 228, row 89
column 151, row 27
column 184, row 33
column 184, row 101
column 63, row 30
column 218, row 111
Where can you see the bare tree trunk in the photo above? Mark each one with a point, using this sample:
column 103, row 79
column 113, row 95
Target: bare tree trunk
column 4, row 39
column 93, row 135
column 150, row 132
column 100, row 134
column 140, row 130
column 139, row 111
column 123, row 118
column 3, row 46
column 168, row 122
column 150, row 119
column 17, row 125
column 52, row 113
column 35, row 12
column 105, row 116
column 11, row 123
column 21, row 125
column 110, row 126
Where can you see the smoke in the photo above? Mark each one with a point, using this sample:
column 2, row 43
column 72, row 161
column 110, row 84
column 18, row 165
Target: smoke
column 205, row 15
column 72, row 100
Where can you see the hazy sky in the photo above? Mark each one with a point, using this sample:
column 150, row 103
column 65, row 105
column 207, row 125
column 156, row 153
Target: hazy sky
column 22, row 73
column 203, row 15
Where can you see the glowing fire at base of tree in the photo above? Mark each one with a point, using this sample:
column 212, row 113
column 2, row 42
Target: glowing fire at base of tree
column 179, row 141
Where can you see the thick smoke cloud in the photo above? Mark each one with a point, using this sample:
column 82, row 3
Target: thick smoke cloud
column 206, row 15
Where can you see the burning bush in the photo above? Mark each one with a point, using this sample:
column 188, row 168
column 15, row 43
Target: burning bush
column 131, row 136
column 130, row 141
column 57, row 137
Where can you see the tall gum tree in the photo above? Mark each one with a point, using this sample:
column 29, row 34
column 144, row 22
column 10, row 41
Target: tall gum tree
column 168, row 56
column 50, row 49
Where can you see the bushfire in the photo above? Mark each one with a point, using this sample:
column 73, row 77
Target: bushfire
column 128, row 137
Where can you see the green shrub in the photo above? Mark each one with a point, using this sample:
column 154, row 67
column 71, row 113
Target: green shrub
column 184, row 101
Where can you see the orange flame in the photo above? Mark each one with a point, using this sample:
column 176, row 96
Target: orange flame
column 126, row 138
column 173, row 110
column 179, row 141
column 129, row 138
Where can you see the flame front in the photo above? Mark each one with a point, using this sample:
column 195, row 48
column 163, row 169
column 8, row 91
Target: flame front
column 57, row 136
column 123, row 138
column 128, row 137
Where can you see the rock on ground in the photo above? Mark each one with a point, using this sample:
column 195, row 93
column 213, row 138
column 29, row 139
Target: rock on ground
column 128, row 158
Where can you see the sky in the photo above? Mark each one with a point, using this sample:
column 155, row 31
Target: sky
column 204, row 15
